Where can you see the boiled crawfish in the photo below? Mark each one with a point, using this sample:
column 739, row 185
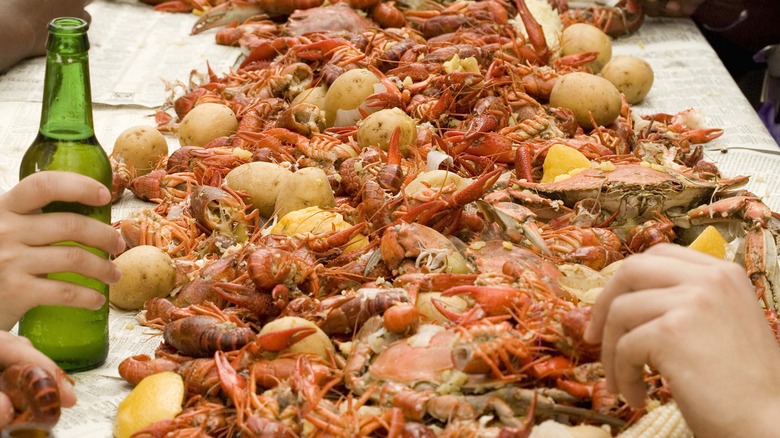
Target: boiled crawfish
column 34, row 394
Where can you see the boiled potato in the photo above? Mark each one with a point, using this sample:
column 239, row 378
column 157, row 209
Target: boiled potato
column 261, row 181
column 314, row 96
column 206, row 122
column 147, row 272
column 584, row 93
column 631, row 75
column 140, row 148
column 305, row 188
column 582, row 37
column 317, row 343
column 347, row 93
column 377, row 128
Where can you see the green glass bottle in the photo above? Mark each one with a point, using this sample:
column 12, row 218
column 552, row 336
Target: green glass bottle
column 75, row 338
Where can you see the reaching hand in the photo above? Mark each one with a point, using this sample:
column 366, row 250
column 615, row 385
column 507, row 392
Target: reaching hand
column 697, row 321
column 26, row 256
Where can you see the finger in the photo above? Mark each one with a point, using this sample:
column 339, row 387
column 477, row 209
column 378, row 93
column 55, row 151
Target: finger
column 637, row 272
column 61, row 258
column 58, row 227
column 62, row 293
column 40, row 189
column 6, row 410
column 67, row 396
column 682, row 253
column 18, row 350
column 634, row 351
column 626, row 314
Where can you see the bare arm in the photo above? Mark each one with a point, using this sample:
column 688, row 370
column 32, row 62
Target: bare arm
column 23, row 26
column 697, row 321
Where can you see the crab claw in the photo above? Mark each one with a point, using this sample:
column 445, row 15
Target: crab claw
column 516, row 221
column 279, row 340
column 226, row 13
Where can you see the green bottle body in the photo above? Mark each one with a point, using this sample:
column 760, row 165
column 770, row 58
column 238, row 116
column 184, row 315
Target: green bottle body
column 75, row 338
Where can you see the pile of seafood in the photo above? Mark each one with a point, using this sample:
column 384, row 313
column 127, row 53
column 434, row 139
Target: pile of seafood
column 423, row 282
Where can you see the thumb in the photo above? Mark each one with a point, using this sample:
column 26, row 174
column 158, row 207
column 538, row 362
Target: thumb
column 6, row 410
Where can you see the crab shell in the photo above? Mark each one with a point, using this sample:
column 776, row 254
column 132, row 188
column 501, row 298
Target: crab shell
column 634, row 190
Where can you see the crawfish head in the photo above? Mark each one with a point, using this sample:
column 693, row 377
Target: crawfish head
column 33, row 392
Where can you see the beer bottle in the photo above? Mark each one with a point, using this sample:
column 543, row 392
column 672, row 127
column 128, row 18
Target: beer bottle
column 75, row 338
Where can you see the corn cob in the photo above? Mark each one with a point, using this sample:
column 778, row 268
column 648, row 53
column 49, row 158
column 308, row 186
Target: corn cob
column 665, row 421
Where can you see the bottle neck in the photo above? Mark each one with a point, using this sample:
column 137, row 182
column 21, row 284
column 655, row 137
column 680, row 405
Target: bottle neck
column 67, row 100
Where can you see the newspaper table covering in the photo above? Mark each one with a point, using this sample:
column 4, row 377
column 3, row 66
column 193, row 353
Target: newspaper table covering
column 136, row 51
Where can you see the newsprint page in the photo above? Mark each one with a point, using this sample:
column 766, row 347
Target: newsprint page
column 138, row 54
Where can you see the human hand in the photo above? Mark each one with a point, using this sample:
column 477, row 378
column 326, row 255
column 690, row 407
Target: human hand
column 17, row 350
column 696, row 320
column 25, row 238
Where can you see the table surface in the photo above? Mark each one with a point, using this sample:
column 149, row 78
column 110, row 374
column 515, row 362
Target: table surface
column 688, row 74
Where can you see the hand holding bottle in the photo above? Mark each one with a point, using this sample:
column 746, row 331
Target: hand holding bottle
column 18, row 350
column 25, row 236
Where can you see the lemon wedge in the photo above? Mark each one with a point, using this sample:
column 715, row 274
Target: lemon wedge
column 315, row 220
column 157, row 397
column 563, row 160
column 711, row 242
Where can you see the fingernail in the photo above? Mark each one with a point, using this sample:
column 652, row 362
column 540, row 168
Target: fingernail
column 102, row 301
column 104, row 196
column 119, row 245
column 587, row 336
column 117, row 275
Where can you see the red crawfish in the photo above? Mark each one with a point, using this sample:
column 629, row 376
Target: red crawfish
column 33, row 392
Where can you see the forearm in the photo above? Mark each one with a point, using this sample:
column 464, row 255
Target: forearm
column 17, row 38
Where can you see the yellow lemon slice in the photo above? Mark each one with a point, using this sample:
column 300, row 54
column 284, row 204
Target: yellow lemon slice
column 315, row 220
column 711, row 242
column 562, row 160
column 157, row 397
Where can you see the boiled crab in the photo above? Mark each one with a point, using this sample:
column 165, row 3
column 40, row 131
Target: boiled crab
column 421, row 376
column 634, row 190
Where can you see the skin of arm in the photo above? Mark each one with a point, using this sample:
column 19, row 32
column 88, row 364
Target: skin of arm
column 18, row 350
column 23, row 26
column 26, row 253
column 695, row 319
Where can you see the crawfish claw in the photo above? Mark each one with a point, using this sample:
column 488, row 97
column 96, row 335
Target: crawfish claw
column 224, row 14
column 279, row 340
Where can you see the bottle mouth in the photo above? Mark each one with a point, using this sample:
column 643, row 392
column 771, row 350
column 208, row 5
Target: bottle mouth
column 68, row 25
